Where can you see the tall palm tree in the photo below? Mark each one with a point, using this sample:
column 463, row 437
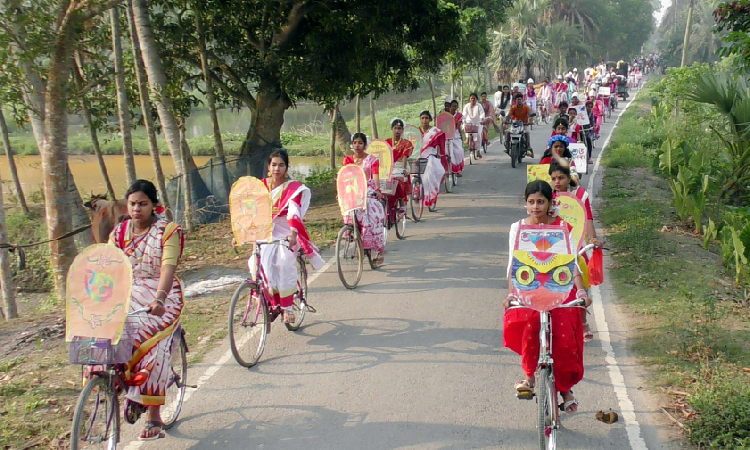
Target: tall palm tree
column 562, row 42
column 704, row 43
column 515, row 46
column 580, row 13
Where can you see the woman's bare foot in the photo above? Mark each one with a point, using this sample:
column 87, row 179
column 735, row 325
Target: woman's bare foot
column 287, row 317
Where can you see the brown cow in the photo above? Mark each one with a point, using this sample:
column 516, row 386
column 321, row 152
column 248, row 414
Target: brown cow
column 107, row 214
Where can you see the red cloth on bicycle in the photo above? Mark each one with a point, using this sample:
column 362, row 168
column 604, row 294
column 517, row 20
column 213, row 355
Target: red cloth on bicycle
column 596, row 268
column 521, row 328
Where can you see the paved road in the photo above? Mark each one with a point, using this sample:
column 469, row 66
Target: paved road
column 413, row 358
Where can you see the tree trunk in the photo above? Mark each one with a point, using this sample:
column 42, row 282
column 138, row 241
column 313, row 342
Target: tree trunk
column 264, row 134
column 55, row 156
column 432, row 94
column 461, row 102
column 332, row 153
column 373, row 120
column 343, row 135
column 686, row 41
column 210, row 97
column 187, row 191
column 148, row 120
column 78, row 76
column 357, row 115
column 12, row 163
column 123, row 108
column 157, row 81
column 9, row 310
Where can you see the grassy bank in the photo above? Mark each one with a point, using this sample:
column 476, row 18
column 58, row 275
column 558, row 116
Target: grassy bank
column 310, row 141
column 693, row 321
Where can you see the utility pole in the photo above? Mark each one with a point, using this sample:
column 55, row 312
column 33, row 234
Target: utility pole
column 686, row 41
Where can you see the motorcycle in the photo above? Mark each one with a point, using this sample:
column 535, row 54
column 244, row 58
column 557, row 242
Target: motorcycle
column 518, row 144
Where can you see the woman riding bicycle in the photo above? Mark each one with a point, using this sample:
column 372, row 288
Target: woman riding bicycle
column 474, row 114
column 371, row 219
column 457, row 148
column 433, row 145
column 402, row 149
column 521, row 326
column 563, row 182
column 290, row 201
column 154, row 247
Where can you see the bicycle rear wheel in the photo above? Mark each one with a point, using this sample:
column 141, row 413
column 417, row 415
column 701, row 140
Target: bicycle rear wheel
column 176, row 383
column 448, row 183
column 96, row 420
column 349, row 257
column 248, row 324
column 400, row 220
column 416, row 201
column 547, row 410
column 299, row 303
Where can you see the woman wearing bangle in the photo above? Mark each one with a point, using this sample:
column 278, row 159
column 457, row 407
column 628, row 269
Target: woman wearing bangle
column 154, row 247
column 371, row 220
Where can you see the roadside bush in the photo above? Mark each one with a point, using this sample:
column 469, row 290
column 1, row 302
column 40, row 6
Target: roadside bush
column 723, row 399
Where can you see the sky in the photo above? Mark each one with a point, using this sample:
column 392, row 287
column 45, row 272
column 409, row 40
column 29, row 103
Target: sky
column 660, row 13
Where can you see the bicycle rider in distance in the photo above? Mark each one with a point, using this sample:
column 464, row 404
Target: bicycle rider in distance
column 521, row 326
column 521, row 111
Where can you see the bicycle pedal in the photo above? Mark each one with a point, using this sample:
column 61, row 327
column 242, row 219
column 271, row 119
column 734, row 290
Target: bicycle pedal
column 527, row 395
column 192, row 386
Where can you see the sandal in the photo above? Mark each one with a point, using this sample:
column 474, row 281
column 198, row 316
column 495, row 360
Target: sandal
column 148, row 435
column 524, row 386
column 571, row 406
column 588, row 335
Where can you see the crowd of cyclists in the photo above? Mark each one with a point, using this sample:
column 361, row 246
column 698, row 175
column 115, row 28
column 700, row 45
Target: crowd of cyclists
column 592, row 92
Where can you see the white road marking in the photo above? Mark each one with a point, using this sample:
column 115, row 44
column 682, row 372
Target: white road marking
column 627, row 410
column 211, row 370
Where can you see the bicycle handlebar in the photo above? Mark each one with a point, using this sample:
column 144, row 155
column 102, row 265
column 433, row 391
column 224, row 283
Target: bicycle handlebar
column 577, row 303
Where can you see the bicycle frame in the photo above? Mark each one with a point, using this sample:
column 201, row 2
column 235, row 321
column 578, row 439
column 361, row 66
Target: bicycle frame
column 261, row 284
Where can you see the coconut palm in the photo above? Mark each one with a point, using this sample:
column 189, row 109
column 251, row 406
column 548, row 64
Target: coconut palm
column 562, row 42
column 515, row 46
column 704, row 43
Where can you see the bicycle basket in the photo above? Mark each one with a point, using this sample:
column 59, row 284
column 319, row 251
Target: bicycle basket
column 388, row 187
column 471, row 128
column 85, row 350
column 418, row 166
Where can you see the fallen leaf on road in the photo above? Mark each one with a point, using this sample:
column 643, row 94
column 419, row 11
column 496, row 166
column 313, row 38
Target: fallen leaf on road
column 608, row 417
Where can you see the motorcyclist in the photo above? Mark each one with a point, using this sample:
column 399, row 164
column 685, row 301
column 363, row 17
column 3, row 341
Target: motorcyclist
column 521, row 112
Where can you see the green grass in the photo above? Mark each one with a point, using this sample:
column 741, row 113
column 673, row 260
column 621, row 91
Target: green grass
column 694, row 341
column 299, row 143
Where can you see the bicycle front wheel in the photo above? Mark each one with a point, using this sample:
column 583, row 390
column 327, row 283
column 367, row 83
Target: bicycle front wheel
column 96, row 420
column 299, row 303
column 401, row 220
column 547, row 410
column 349, row 257
column 176, row 382
column 448, row 182
column 417, row 200
column 248, row 324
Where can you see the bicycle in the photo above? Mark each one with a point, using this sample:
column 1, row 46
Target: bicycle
column 350, row 253
column 96, row 419
column 472, row 135
column 416, row 199
column 251, row 311
column 395, row 212
column 448, row 177
column 548, row 410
